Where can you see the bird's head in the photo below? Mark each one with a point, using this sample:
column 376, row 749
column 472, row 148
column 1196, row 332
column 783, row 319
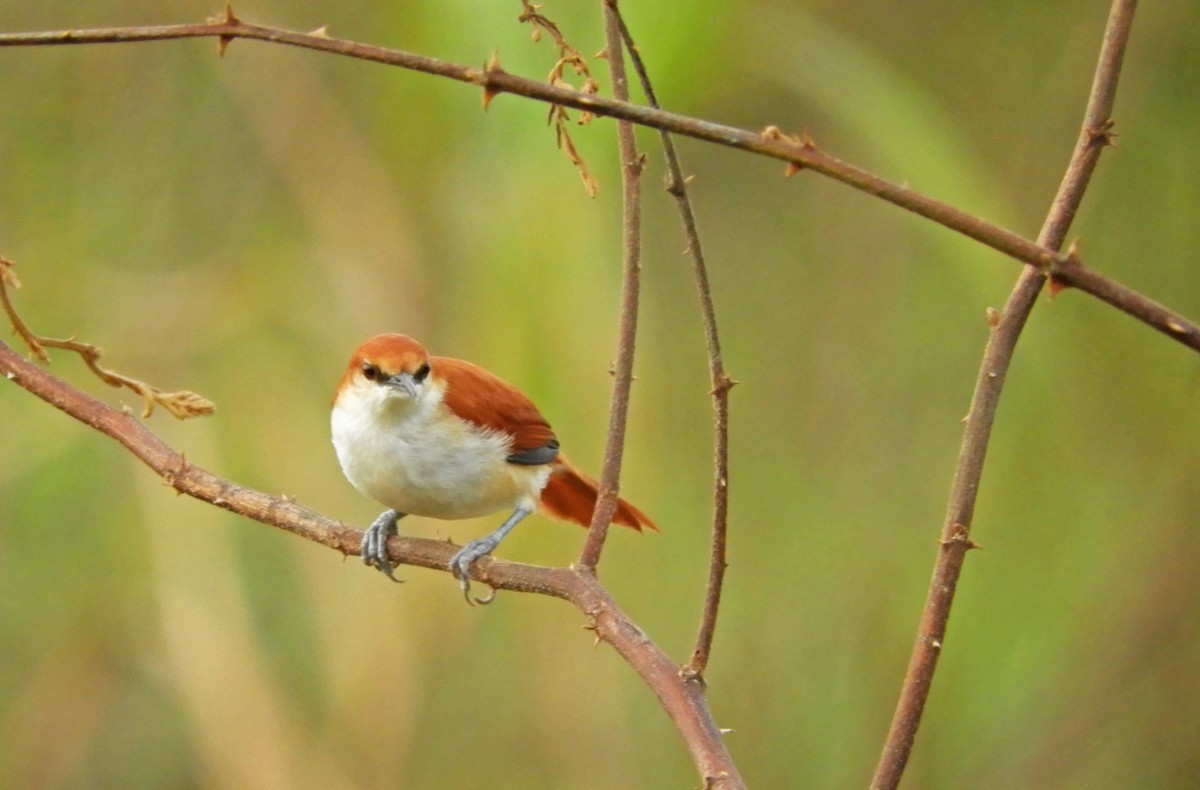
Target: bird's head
column 387, row 367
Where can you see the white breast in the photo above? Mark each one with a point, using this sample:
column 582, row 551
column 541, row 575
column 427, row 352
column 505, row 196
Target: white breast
column 420, row 459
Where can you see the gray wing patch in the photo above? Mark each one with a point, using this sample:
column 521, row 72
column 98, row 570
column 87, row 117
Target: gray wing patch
column 538, row 456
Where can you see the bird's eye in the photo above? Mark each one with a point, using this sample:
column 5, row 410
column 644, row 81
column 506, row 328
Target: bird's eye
column 422, row 372
column 371, row 372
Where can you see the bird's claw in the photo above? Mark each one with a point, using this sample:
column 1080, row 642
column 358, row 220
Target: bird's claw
column 373, row 550
column 460, row 566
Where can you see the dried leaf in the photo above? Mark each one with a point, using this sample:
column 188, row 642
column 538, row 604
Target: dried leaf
column 186, row 404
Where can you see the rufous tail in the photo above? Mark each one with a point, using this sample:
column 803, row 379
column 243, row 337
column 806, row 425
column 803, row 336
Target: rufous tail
column 571, row 496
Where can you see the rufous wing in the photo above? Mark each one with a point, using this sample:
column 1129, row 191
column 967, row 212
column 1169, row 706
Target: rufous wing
column 478, row 397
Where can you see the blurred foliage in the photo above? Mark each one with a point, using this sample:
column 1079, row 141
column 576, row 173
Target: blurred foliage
column 236, row 226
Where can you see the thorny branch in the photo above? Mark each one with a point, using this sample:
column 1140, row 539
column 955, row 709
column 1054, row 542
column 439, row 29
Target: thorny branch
column 631, row 279
column 1005, row 329
column 181, row 404
column 801, row 153
column 721, row 382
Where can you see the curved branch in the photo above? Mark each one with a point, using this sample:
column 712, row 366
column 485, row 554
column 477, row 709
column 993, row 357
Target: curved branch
column 721, row 382
column 799, row 152
column 681, row 697
column 631, row 282
column 1005, row 331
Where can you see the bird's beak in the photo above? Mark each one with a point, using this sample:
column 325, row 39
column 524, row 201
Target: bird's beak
column 406, row 382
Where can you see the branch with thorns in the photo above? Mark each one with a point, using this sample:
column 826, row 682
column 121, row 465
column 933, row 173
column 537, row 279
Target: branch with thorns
column 182, row 404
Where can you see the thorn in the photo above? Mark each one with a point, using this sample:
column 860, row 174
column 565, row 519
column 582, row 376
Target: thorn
column 958, row 535
column 602, row 54
column 1055, row 285
column 726, row 730
column 1102, row 135
column 772, row 132
column 1073, row 251
column 321, row 32
column 993, row 316
column 490, row 68
column 725, row 384
column 805, row 141
column 227, row 18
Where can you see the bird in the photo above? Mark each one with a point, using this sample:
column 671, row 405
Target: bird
column 441, row 437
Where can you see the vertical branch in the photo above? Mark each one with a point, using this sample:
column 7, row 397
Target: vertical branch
column 721, row 382
column 1005, row 331
column 631, row 221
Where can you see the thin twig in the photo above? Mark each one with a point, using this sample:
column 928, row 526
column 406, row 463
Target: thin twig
column 631, row 280
column 181, row 404
column 721, row 382
column 799, row 152
column 682, row 698
column 1005, row 330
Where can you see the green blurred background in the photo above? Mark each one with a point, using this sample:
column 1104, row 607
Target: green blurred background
column 236, row 226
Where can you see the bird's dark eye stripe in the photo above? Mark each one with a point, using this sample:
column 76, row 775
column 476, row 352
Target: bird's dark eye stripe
column 422, row 372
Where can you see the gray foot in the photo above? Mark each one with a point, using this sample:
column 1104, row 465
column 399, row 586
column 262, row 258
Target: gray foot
column 460, row 564
column 374, row 551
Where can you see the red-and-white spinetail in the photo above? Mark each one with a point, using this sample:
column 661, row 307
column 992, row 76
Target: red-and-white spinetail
column 440, row 437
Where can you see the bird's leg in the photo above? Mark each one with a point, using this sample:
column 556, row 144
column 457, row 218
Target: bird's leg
column 374, row 551
column 460, row 563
